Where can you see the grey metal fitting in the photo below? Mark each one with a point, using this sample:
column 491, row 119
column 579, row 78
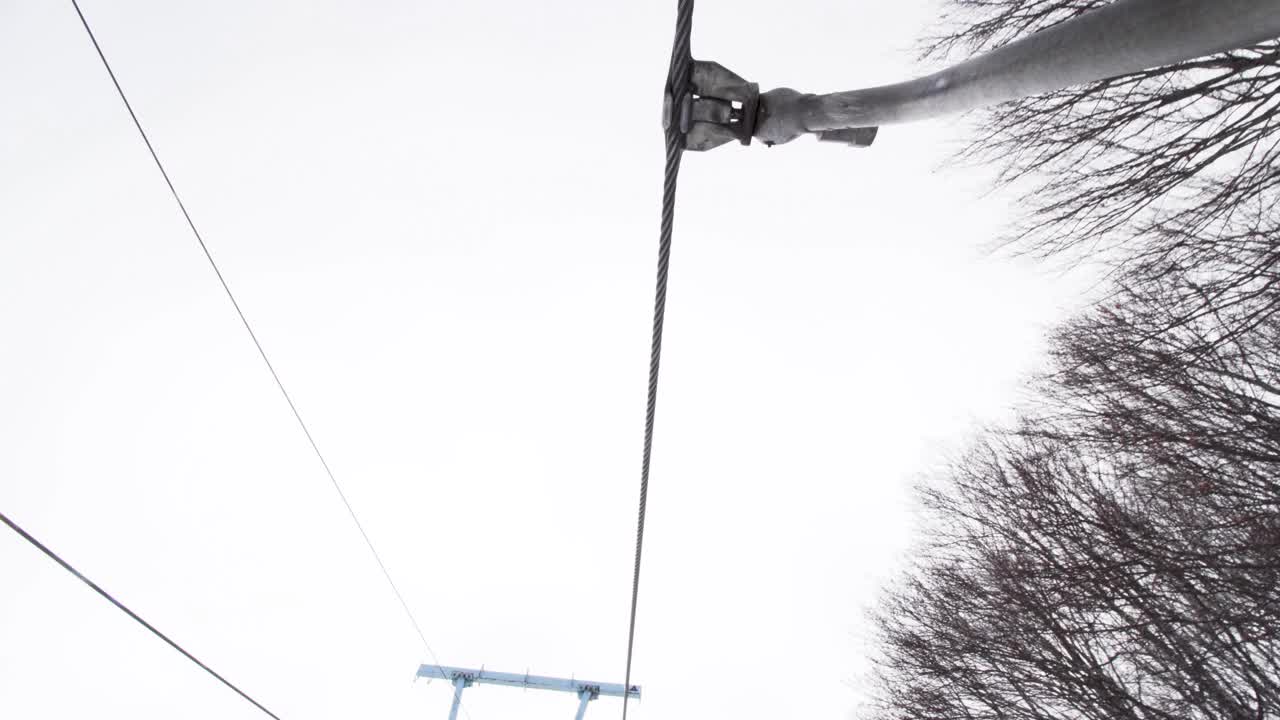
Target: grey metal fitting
column 853, row 137
column 721, row 107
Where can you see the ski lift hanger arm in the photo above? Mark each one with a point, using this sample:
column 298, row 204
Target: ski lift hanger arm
column 1122, row 37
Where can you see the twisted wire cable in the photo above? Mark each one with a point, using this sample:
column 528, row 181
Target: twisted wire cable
column 678, row 81
column 124, row 609
column 315, row 447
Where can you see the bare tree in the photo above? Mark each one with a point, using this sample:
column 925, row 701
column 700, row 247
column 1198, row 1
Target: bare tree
column 1117, row 554
column 1169, row 170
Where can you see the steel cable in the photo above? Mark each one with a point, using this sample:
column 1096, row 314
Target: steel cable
column 678, row 79
column 254, row 337
column 137, row 618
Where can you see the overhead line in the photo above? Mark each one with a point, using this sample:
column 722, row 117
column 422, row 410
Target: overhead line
column 677, row 82
column 253, row 336
column 123, row 608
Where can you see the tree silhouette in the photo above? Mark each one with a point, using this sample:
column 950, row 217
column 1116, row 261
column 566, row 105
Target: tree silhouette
column 1116, row 553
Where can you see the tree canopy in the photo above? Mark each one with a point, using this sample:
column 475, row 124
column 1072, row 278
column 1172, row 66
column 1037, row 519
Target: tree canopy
column 1116, row 552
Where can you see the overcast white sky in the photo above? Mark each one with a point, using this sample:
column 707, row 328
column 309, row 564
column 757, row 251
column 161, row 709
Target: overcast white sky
column 441, row 218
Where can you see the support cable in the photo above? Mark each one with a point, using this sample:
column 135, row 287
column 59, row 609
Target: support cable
column 678, row 80
column 137, row 618
column 254, row 337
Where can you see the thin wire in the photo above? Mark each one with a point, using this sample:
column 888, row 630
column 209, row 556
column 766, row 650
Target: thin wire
column 678, row 79
column 253, row 336
column 96, row 588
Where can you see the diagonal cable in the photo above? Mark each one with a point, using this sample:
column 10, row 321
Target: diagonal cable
column 137, row 618
column 254, row 337
column 678, row 80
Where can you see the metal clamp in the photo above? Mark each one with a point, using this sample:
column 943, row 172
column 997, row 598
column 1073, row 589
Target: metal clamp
column 853, row 137
column 717, row 108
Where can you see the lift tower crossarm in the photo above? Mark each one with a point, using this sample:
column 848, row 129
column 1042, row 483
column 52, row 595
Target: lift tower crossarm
column 538, row 682
column 586, row 690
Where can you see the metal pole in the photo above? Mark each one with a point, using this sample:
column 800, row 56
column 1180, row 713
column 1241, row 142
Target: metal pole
column 584, row 697
column 458, row 684
column 1123, row 37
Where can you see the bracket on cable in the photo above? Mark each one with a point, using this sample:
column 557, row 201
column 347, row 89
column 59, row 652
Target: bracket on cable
column 712, row 106
column 716, row 107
